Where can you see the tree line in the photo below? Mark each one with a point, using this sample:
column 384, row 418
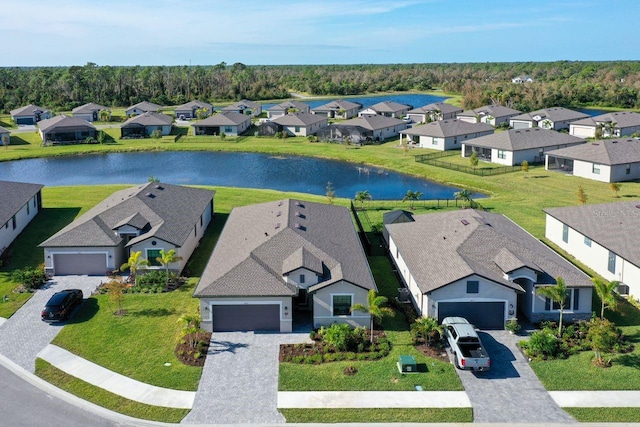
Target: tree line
column 561, row 83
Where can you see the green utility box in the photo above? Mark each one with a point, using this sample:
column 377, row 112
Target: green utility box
column 407, row 365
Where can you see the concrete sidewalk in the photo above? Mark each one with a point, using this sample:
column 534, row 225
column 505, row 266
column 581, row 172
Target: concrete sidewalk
column 597, row 399
column 116, row 383
column 373, row 399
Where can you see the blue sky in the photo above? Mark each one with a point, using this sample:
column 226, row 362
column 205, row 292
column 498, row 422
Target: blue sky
column 168, row 32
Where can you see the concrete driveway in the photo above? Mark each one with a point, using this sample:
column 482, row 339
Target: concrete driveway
column 510, row 392
column 239, row 383
column 24, row 334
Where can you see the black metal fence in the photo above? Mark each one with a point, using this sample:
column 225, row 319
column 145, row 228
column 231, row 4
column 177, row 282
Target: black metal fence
column 366, row 244
column 433, row 160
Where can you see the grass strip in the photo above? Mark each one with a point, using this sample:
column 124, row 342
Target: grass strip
column 379, row 415
column 605, row 415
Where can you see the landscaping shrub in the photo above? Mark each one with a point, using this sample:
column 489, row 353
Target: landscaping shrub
column 542, row 344
column 30, row 278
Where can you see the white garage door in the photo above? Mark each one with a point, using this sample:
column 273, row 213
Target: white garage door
column 80, row 264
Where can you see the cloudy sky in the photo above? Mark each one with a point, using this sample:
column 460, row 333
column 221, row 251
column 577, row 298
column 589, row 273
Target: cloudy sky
column 168, row 32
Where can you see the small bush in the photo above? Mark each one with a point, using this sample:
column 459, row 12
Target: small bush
column 156, row 134
column 513, row 326
column 30, row 278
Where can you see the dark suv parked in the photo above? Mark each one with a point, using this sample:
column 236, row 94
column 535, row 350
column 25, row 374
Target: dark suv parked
column 61, row 304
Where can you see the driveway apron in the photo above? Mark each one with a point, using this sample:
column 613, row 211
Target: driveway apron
column 24, row 334
column 510, row 392
column 239, row 383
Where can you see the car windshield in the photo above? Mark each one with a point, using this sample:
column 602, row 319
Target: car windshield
column 57, row 299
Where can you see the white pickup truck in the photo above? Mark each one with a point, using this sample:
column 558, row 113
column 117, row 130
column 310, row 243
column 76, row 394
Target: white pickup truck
column 465, row 344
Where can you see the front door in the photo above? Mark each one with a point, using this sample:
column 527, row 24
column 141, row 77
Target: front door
column 302, row 300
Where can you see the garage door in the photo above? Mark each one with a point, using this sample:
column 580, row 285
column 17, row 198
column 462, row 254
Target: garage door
column 521, row 125
column 484, row 315
column 246, row 317
column 24, row 121
column 89, row 264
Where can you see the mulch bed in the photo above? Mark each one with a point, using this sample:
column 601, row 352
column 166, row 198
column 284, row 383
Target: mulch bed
column 435, row 352
column 187, row 355
column 318, row 347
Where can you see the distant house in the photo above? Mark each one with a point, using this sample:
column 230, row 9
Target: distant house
column 482, row 266
column 394, row 217
column 279, row 263
column 602, row 237
column 5, row 136
column 190, row 110
column 433, row 112
column 245, row 107
column 90, row 112
column 143, row 107
column 387, row 109
column 494, row 115
column 514, row 146
column 145, row 124
column 522, row 79
column 339, row 109
column 362, row 130
column 608, row 160
column 29, row 115
column 286, row 108
column 146, row 218
column 555, row 118
column 21, row 202
column 296, row 124
column 608, row 125
column 229, row 123
column 445, row 134
column 66, row 130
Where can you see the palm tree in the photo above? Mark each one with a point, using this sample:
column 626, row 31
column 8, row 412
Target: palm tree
column 465, row 196
column 133, row 264
column 105, row 115
column 426, row 327
column 606, row 293
column 412, row 196
column 558, row 294
column 167, row 258
column 363, row 196
column 609, row 128
column 546, row 124
column 375, row 308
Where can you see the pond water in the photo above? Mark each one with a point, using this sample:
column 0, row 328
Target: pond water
column 248, row 170
column 414, row 99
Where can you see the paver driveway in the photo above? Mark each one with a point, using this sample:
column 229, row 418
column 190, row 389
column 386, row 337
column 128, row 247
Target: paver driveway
column 24, row 334
column 239, row 383
column 510, row 392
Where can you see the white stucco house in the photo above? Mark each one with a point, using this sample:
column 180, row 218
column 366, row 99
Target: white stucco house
column 190, row 110
column 300, row 124
column 244, row 106
column 21, row 202
column 556, row 118
column 142, row 107
column 387, row 109
column 287, row 107
column 445, row 134
column 90, row 112
column 29, row 114
column 145, row 124
column 608, row 125
column 339, row 109
column 433, row 112
column 230, row 123
column 493, row 114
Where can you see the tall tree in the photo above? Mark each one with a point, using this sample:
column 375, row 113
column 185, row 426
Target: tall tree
column 375, row 308
column 465, row 196
column 558, row 294
column 606, row 293
column 363, row 196
column 412, row 196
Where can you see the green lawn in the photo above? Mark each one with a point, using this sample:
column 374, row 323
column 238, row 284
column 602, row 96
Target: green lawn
column 379, row 415
column 605, row 415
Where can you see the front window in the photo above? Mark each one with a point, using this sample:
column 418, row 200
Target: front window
column 341, row 305
column 565, row 233
column 302, row 278
column 612, row 263
column 473, row 286
column 571, row 301
column 297, row 129
column 228, row 129
column 596, row 169
column 628, row 169
column 502, row 154
column 152, row 257
column 587, row 241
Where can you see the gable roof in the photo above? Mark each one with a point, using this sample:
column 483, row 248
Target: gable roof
column 448, row 128
column 27, row 110
column 442, row 248
column 88, row 108
column 525, row 139
column 555, row 114
column 3, row 130
column 149, row 119
column 171, row 212
column 339, row 104
column 64, row 122
column 146, row 106
column 389, row 107
column 242, row 104
column 443, row 107
column 493, row 110
column 229, row 118
column 285, row 106
column 373, row 122
column 622, row 119
column 398, row 215
column 606, row 152
column 14, row 196
column 261, row 242
column 299, row 119
column 194, row 104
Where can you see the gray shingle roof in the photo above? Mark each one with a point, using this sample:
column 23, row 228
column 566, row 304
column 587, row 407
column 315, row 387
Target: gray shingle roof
column 88, row 108
column 285, row 106
column 622, row 119
column 14, row 196
column 444, row 108
column 28, row 110
column 555, row 114
column 146, row 106
column 525, row 139
column 493, row 110
column 194, row 104
column 243, row 103
column 149, row 119
column 606, row 152
column 261, row 241
column 612, row 225
column 448, row 128
column 373, row 122
column 64, row 122
column 3, row 130
column 299, row 119
column 389, row 107
column 396, row 216
column 170, row 210
column 224, row 119
column 339, row 104
column 442, row 248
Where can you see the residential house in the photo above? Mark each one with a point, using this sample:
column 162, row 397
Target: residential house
column 433, row 112
column 5, row 136
column 146, row 124
column 387, row 109
column 279, row 263
column 602, row 238
column 190, row 110
column 555, row 118
column 494, row 115
column 339, row 109
column 445, row 134
column 482, row 266
column 142, row 107
column 146, row 218
column 66, row 130
column 229, row 123
column 362, row 130
column 514, row 146
column 296, row 124
column 608, row 125
column 244, row 106
column 21, row 202
column 394, row 217
column 29, row 115
column 522, row 79
column 287, row 107
column 608, row 160
column 90, row 112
